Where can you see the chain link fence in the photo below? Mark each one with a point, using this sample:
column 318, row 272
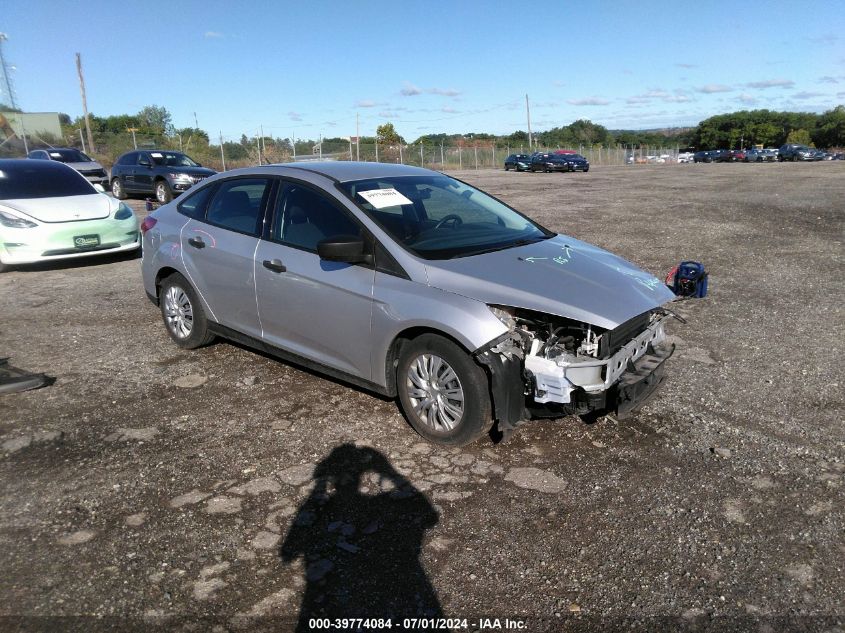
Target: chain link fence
column 230, row 153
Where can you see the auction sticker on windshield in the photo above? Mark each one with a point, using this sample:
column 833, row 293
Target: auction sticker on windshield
column 383, row 198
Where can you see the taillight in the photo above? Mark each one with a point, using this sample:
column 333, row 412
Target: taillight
column 147, row 223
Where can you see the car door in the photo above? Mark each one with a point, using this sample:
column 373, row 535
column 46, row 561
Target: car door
column 317, row 309
column 218, row 249
column 142, row 173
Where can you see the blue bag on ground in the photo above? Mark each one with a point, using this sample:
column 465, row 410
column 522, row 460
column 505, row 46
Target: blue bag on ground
column 689, row 280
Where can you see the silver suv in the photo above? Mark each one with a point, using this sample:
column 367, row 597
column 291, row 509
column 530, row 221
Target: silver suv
column 409, row 283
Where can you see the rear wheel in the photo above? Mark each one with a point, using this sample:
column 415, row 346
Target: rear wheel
column 182, row 313
column 117, row 189
column 163, row 193
column 443, row 392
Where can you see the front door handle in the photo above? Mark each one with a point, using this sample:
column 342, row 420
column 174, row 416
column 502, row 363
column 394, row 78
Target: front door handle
column 196, row 242
column 275, row 265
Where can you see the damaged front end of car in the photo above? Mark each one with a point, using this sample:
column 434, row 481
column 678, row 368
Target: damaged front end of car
column 549, row 366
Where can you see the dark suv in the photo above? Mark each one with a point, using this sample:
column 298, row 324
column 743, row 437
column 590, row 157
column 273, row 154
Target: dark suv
column 164, row 173
column 795, row 151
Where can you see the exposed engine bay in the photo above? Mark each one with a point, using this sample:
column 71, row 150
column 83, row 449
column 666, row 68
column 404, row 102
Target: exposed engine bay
column 570, row 367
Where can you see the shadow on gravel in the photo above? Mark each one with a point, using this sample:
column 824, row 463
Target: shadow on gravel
column 360, row 533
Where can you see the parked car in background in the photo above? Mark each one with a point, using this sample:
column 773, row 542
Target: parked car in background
column 576, row 162
column 412, row 284
column 560, row 162
column 519, row 162
column 48, row 211
column 549, row 162
column 761, row 156
column 703, row 156
column 162, row 173
column 685, row 157
column 796, row 152
column 737, row 155
column 80, row 161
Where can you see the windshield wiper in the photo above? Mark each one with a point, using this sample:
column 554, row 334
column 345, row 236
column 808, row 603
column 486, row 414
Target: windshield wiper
column 492, row 249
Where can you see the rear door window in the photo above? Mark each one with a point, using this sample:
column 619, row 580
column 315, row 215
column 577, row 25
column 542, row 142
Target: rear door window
column 238, row 203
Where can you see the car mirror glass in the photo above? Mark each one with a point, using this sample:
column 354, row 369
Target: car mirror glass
column 99, row 187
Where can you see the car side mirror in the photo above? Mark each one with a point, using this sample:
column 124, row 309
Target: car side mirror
column 343, row 248
column 99, row 187
column 145, row 163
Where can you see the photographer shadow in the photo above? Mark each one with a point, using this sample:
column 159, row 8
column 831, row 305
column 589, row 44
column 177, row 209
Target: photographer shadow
column 360, row 533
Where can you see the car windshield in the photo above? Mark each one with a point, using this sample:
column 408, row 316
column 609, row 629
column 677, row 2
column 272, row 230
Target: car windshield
column 172, row 159
column 438, row 217
column 68, row 156
column 19, row 183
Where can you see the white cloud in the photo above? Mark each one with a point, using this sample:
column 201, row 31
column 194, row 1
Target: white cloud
column 771, row 83
column 747, row 99
column 807, row 95
column 446, row 92
column 294, row 116
column 366, row 103
column 827, row 79
column 410, row 90
column 448, row 110
column 686, row 65
column 213, row 35
column 713, row 88
column 589, row 101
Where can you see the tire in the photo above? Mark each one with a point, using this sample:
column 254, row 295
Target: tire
column 178, row 300
column 163, row 192
column 451, row 423
column 4, row 268
column 117, row 189
column 586, row 169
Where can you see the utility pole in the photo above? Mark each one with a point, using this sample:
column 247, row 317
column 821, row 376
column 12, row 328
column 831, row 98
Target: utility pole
column 196, row 125
column 5, row 70
column 528, row 117
column 82, row 140
column 129, row 129
column 321, row 146
column 222, row 155
column 263, row 142
column 357, row 137
column 85, row 104
column 258, row 147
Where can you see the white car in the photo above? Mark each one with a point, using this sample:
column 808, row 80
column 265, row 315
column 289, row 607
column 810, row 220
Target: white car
column 685, row 157
column 49, row 211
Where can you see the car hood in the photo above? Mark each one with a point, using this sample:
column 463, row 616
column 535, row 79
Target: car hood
column 193, row 171
column 86, row 166
column 561, row 276
column 66, row 208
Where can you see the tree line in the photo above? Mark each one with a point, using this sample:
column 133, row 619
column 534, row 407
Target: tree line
column 153, row 126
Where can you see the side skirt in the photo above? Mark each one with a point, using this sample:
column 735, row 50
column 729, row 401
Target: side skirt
column 296, row 359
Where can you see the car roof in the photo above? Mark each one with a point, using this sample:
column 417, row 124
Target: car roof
column 20, row 164
column 342, row 171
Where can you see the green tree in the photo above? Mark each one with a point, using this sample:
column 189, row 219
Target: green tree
column 388, row 135
column 155, row 120
column 830, row 128
column 799, row 136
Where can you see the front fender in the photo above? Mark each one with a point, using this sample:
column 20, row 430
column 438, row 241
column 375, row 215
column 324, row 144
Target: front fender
column 400, row 304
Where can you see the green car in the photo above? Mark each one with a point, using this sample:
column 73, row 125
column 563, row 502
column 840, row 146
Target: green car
column 48, row 212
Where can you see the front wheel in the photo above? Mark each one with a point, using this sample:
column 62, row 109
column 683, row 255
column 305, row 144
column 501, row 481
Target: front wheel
column 117, row 189
column 443, row 392
column 163, row 193
column 183, row 314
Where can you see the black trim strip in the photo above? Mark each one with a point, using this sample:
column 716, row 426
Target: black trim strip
column 291, row 357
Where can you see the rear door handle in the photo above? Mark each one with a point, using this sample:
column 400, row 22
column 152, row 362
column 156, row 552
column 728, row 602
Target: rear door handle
column 196, row 242
column 275, row 265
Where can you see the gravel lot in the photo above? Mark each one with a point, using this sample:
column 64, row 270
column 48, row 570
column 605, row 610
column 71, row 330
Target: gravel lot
column 153, row 487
